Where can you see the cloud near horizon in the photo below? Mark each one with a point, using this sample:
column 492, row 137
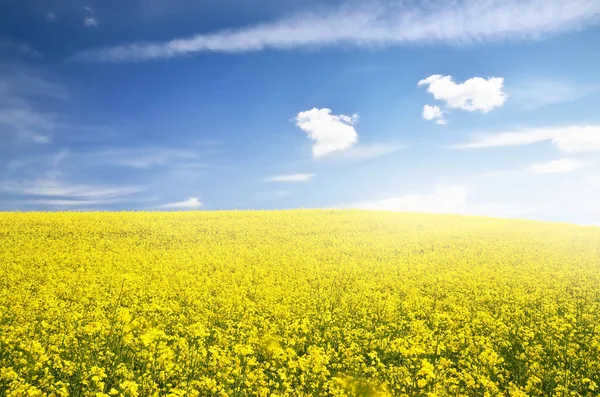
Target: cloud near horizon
column 189, row 204
column 443, row 199
column 376, row 24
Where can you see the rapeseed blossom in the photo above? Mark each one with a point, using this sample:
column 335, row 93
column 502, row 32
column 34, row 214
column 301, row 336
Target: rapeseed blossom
column 296, row 303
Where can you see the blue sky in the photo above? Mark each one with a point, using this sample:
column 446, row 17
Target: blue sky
column 481, row 107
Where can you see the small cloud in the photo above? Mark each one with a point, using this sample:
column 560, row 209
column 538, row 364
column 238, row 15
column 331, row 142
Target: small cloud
column 474, row 94
column 191, row 203
column 330, row 132
column 90, row 22
column 433, row 113
column 569, row 139
column 50, row 16
column 557, row 167
column 291, row 178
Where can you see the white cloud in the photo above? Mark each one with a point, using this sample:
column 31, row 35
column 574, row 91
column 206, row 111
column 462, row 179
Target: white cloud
column 474, row 94
column 47, row 163
column 383, row 24
column 191, row 203
column 90, row 22
column 444, row 199
column 433, row 113
column 557, row 167
column 330, row 132
column 291, row 178
column 569, row 139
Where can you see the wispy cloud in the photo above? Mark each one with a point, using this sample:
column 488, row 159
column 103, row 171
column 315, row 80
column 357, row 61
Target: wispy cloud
column 368, row 151
column 28, row 124
column 18, row 47
column 569, row 139
column 47, row 163
column 536, row 92
column 561, row 166
column 191, row 203
column 379, row 24
column 21, row 91
column 72, row 203
column 149, row 157
column 291, row 178
column 20, row 83
column 59, row 189
column 330, row 132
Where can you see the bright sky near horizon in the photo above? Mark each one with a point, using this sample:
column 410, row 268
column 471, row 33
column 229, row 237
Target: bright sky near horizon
column 484, row 107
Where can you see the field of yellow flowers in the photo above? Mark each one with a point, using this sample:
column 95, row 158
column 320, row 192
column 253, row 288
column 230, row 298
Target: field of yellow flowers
column 297, row 303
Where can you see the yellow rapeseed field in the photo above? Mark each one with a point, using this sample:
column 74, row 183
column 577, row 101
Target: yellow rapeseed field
column 297, row 303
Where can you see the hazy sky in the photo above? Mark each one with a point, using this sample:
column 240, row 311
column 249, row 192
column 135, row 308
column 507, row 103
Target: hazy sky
column 488, row 107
